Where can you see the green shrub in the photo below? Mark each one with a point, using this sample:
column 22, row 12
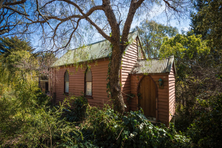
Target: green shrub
column 33, row 125
column 101, row 126
column 139, row 132
column 105, row 128
column 77, row 111
column 206, row 130
column 42, row 98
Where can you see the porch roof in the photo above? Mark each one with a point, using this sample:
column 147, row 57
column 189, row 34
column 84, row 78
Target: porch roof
column 153, row 66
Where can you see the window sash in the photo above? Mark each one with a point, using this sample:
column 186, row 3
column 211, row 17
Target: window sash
column 89, row 88
column 67, row 87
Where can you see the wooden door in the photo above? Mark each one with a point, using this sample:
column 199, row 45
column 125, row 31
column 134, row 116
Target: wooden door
column 148, row 93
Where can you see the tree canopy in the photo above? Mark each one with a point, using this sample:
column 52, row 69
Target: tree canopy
column 197, row 18
column 152, row 35
column 10, row 44
column 207, row 22
column 187, row 49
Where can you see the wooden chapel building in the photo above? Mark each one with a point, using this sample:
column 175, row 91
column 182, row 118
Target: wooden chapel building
column 83, row 71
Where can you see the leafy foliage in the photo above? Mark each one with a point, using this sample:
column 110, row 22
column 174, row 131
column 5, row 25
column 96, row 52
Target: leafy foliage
column 77, row 112
column 8, row 45
column 187, row 50
column 105, row 128
column 207, row 22
column 197, row 78
column 33, row 126
column 206, row 130
column 197, row 18
column 152, row 36
column 26, row 117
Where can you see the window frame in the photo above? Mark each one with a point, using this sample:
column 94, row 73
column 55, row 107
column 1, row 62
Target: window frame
column 66, row 93
column 88, row 96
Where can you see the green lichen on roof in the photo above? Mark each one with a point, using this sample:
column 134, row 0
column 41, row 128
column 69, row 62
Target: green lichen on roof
column 93, row 51
column 153, row 66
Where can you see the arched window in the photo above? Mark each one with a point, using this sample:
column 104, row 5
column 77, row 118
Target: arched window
column 66, row 82
column 88, row 82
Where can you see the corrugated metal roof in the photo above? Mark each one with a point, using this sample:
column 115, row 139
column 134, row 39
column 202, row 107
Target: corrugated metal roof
column 93, row 51
column 153, row 66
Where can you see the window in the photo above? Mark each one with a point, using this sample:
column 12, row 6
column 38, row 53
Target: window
column 66, row 82
column 88, row 82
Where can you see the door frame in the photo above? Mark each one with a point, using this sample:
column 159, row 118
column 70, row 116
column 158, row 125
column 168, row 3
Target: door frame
column 138, row 91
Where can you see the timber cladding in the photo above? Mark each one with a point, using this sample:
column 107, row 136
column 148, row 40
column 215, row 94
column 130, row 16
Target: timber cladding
column 162, row 95
column 128, row 61
column 99, row 71
column 172, row 96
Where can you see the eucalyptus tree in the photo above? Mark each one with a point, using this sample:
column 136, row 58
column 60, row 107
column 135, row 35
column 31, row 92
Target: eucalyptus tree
column 63, row 21
column 8, row 45
column 152, row 35
column 207, row 22
column 197, row 18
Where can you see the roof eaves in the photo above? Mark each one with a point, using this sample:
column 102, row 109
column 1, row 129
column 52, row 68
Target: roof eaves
column 167, row 67
column 171, row 62
column 81, row 62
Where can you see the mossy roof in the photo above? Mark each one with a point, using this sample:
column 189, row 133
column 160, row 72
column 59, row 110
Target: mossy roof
column 153, row 66
column 98, row 50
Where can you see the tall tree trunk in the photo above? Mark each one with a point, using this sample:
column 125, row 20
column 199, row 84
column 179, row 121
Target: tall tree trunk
column 115, row 87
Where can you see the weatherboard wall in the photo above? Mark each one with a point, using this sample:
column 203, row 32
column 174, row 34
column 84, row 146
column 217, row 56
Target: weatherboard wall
column 99, row 71
column 172, row 96
column 128, row 61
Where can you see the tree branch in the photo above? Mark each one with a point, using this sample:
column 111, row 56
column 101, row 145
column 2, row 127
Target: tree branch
column 15, row 3
column 82, row 16
column 170, row 6
column 132, row 10
column 7, row 7
column 111, row 19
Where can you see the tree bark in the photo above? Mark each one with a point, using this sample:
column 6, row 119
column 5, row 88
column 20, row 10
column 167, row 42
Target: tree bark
column 1, row 3
column 115, row 88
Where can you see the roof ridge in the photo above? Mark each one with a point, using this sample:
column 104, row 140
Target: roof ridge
column 90, row 44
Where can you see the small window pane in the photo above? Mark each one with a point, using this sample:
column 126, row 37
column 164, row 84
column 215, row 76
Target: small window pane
column 89, row 88
column 88, row 76
column 66, row 87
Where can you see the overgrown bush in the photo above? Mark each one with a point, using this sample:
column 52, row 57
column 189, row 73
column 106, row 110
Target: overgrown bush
column 37, row 126
column 206, row 130
column 77, row 111
column 105, row 128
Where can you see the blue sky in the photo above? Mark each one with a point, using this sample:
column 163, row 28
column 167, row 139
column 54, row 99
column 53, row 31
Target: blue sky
column 183, row 23
column 156, row 13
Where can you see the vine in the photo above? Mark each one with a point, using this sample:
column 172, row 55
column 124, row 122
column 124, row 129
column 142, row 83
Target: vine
column 108, row 78
column 108, row 74
column 109, row 69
